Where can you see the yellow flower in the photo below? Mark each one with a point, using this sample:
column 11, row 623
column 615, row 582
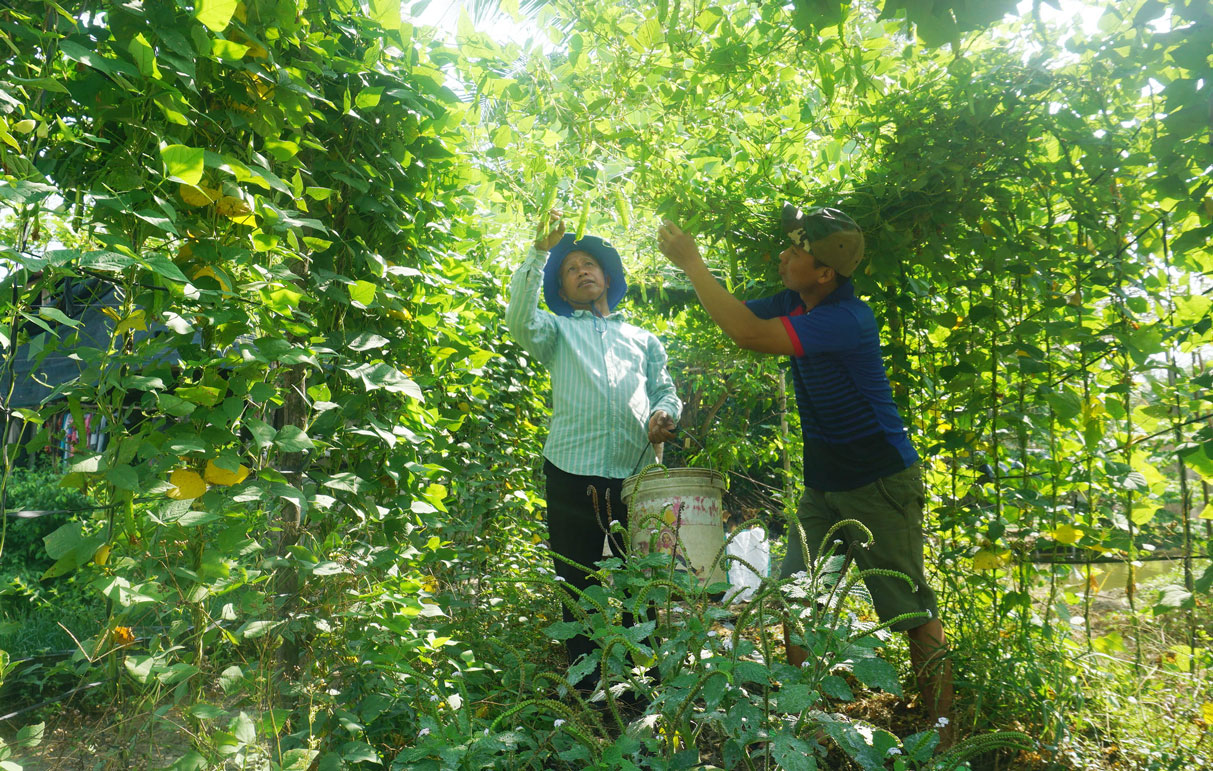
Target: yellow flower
column 122, row 636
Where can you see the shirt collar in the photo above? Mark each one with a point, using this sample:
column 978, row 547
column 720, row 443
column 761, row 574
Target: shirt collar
column 841, row 292
column 616, row 315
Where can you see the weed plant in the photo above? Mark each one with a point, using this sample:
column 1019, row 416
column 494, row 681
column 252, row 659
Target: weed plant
column 691, row 685
column 1021, row 664
column 1153, row 714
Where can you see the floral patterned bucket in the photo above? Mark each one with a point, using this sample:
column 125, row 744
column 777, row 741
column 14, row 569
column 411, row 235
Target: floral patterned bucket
column 682, row 501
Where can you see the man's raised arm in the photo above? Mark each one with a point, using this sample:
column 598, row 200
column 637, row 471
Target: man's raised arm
column 730, row 314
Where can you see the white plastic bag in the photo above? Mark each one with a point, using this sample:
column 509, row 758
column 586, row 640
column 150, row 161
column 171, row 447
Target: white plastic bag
column 752, row 546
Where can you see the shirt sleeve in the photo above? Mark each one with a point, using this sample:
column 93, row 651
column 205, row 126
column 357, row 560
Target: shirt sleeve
column 826, row 329
column 769, row 307
column 534, row 329
column 662, row 395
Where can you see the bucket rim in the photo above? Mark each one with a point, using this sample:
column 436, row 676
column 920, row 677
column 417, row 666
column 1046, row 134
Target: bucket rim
column 631, row 484
column 663, row 473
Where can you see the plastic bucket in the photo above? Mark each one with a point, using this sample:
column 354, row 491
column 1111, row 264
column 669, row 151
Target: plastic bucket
column 686, row 501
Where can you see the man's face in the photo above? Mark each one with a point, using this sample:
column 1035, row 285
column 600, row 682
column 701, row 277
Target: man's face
column 581, row 279
column 801, row 271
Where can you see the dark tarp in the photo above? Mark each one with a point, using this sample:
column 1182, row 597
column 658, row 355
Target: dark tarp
column 81, row 300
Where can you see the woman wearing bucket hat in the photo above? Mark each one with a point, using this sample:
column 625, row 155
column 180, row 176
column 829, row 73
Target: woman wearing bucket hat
column 613, row 400
column 858, row 461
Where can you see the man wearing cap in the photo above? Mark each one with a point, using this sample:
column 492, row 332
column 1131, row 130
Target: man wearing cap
column 613, row 401
column 858, row 461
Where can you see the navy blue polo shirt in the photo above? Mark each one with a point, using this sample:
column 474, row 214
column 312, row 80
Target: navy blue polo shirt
column 853, row 434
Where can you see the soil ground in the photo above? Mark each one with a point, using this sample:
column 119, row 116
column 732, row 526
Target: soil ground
column 79, row 740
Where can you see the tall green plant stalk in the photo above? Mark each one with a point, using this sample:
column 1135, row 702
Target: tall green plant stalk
column 995, row 438
column 8, row 370
column 1131, row 561
column 1125, row 380
column 1089, row 470
column 1181, row 469
column 1199, row 366
column 789, row 483
column 1054, row 474
column 1024, row 569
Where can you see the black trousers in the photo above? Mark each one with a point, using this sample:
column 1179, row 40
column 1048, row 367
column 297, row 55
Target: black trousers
column 576, row 527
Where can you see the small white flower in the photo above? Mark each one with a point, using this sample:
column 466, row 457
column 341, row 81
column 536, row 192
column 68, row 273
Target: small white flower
column 424, row 732
column 433, row 698
column 486, row 732
column 711, row 633
column 804, row 664
column 558, row 722
column 941, row 722
column 559, row 578
column 893, row 751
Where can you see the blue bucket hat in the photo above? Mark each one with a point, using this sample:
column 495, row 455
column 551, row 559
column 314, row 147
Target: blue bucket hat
column 603, row 252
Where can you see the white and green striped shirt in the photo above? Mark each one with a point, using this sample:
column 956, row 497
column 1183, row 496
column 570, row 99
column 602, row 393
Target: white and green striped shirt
column 608, row 378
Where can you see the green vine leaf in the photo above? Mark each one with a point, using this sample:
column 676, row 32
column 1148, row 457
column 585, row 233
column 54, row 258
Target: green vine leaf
column 183, row 164
column 215, row 14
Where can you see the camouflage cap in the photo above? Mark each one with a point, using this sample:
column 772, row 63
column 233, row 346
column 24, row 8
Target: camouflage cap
column 828, row 234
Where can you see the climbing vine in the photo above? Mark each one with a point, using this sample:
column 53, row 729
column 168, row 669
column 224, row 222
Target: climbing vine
column 267, row 243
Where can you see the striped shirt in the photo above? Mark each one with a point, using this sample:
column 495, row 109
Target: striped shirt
column 608, row 378
column 853, row 433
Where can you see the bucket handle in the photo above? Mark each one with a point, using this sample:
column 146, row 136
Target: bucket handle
column 676, row 431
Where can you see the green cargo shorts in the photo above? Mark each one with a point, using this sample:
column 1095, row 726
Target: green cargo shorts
column 891, row 507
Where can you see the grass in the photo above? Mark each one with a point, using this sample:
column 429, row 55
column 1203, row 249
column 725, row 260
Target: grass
column 1153, row 714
